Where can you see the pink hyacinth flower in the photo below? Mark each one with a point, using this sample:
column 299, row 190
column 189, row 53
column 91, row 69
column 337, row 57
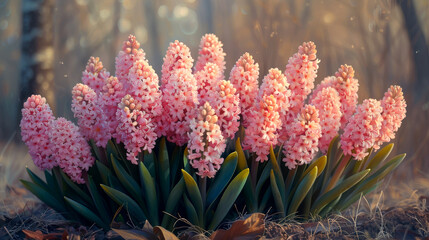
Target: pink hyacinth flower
column 362, row 130
column 135, row 128
column 206, row 143
column 275, row 83
column 263, row 126
column 35, row 126
column 394, row 110
column 328, row 103
column 304, row 138
column 207, row 82
column 179, row 102
column 244, row 76
column 178, row 56
column 91, row 119
column 71, row 150
column 95, row 75
column 131, row 52
column 110, row 97
column 347, row 87
column 145, row 90
column 300, row 72
column 226, row 105
column 211, row 51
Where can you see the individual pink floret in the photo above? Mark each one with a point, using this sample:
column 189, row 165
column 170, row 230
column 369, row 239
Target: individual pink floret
column 211, row 51
column 135, row 128
column 110, row 97
column 327, row 101
column 362, row 129
column 71, row 150
column 347, row 87
column 304, row 138
column 145, row 89
column 300, row 72
column 263, row 126
column 35, row 126
column 179, row 102
column 206, row 143
column 227, row 109
column 178, row 56
column 244, row 76
column 91, row 119
column 131, row 52
column 394, row 110
column 207, row 82
column 95, row 75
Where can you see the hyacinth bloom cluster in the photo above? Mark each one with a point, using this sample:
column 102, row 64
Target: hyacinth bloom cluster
column 300, row 72
column 206, row 143
column 211, row 51
column 178, row 56
column 244, row 76
column 35, row 126
column 70, row 149
column 347, row 87
column 227, row 109
column 207, row 82
column 179, row 101
column 394, row 109
column 275, row 84
column 263, row 126
column 91, row 119
column 305, row 134
column 135, row 128
column 109, row 99
column 327, row 102
column 95, row 75
column 362, row 129
column 131, row 52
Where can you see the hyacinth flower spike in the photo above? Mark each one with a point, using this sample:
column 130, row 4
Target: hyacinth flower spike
column 211, row 51
column 359, row 135
column 95, row 75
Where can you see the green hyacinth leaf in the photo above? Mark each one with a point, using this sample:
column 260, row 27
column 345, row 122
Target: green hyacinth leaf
column 44, row 196
column 278, row 201
column 186, row 164
column 263, row 178
column 149, row 190
column 278, row 175
column 320, row 163
column 98, row 200
column 94, row 149
column 379, row 174
column 191, row 213
column 124, row 200
column 332, row 194
column 222, row 177
column 194, row 194
column 36, row 179
column 328, row 209
column 53, row 186
column 88, row 214
column 343, row 204
column 175, row 159
column 104, row 172
column 76, row 188
column 380, row 156
column 330, row 157
column 265, row 198
column 228, row 198
column 173, row 201
column 242, row 163
column 302, row 190
column 111, row 149
column 149, row 162
column 126, row 180
column 164, row 170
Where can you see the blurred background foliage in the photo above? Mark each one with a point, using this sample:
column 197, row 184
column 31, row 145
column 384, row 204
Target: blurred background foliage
column 45, row 44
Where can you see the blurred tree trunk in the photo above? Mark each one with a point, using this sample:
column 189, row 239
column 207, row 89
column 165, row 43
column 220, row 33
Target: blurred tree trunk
column 419, row 49
column 37, row 51
column 152, row 29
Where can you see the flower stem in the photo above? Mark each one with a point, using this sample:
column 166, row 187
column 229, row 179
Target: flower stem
column 203, row 189
column 254, row 171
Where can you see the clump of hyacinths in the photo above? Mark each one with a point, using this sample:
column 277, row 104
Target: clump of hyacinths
column 158, row 148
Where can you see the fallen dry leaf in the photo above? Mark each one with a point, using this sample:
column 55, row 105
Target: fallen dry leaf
column 38, row 235
column 250, row 228
column 164, row 234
